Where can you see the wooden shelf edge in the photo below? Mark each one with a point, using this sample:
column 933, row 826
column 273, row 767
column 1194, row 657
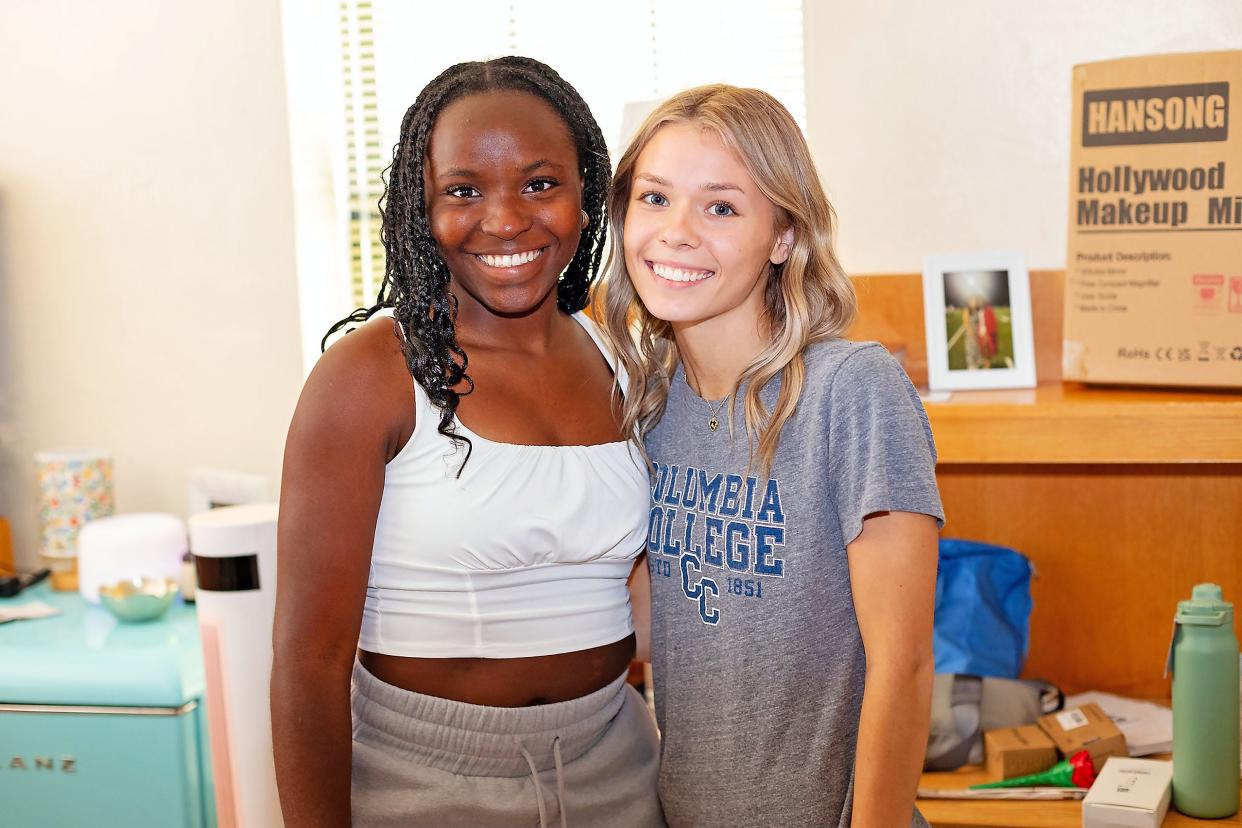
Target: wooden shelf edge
column 1075, row 425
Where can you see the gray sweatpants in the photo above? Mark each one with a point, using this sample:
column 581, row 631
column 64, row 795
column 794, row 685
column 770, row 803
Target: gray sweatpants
column 421, row 760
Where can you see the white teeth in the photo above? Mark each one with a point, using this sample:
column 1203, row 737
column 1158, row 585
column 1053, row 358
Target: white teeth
column 511, row 260
column 676, row 274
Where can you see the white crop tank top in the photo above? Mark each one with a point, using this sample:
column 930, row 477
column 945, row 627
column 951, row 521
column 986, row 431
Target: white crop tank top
column 526, row 554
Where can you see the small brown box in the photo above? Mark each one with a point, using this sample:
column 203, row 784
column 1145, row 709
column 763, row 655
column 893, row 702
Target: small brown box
column 1085, row 728
column 1017, row 751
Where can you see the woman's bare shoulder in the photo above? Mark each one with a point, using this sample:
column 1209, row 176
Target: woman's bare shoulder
column 361, row 383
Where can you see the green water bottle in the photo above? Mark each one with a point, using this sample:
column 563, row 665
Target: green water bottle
column 1205, row 706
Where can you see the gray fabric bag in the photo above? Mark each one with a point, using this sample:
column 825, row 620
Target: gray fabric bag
column 964, row 706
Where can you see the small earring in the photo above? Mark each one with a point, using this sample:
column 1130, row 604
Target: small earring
column 586, row 219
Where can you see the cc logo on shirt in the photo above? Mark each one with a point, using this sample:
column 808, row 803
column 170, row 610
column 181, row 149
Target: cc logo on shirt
column 700, row 589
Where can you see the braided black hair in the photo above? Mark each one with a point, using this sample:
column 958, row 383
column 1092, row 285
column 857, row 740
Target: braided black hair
column 416, row 279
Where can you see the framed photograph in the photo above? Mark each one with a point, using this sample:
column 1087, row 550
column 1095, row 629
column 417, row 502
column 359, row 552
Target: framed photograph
column 977, row 310
column 212, row 488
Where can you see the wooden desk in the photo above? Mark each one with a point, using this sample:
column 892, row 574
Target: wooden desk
column 961, row 813
column 1074, row 424
column 1123, row 498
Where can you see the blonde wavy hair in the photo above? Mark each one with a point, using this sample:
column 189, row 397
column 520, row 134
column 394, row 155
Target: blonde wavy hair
column 808, row 297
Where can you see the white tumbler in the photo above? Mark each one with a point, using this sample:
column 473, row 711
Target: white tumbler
column 235, row 559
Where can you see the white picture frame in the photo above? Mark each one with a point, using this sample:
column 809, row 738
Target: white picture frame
column 977, row 318
column 211, row 488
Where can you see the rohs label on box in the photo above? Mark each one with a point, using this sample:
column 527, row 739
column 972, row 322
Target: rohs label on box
column 1153, row 291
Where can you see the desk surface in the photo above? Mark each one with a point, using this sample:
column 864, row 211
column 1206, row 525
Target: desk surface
column 963, row 813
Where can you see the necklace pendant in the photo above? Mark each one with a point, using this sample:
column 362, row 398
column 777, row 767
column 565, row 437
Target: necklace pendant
column 713, row 424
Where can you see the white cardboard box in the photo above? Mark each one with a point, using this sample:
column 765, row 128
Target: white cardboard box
column 1129, row 793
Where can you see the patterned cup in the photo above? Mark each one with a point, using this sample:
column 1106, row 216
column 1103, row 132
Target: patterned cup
column 74, row 487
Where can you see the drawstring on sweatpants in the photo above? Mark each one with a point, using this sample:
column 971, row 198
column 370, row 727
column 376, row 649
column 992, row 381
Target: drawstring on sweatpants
column 560, row 780
column 560, row 783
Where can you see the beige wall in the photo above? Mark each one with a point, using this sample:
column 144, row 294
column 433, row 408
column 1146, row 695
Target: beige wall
column 148, row 298
column 944, row 127
column 148, row 301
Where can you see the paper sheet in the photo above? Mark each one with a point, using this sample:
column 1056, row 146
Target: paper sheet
column 33, row 609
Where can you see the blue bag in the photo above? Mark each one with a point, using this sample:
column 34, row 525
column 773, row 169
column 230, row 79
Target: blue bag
column 983, row 609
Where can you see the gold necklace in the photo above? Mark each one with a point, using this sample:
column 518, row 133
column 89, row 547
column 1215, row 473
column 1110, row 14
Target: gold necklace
column 713, row 421
column 713, row 410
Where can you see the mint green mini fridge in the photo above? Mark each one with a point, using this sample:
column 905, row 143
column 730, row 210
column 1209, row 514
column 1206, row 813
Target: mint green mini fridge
column 102, row 722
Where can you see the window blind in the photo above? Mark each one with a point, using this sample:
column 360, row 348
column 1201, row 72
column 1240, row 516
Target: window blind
column 363, row 160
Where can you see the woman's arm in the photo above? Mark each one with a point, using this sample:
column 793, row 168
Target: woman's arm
column 340, row 438
column 893, row 577
column 640, row 607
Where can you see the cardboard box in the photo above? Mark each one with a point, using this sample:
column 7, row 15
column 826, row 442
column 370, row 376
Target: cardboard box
column 1085, row 728
column 1153, row 275
column 1129, row 792
column 1017, row 751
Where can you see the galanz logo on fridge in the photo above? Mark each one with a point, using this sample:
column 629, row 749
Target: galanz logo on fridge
column 65, row 764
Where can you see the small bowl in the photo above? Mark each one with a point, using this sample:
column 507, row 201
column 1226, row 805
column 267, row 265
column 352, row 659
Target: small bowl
column 139, row 599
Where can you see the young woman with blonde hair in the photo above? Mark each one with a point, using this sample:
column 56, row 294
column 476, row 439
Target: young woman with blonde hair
column 792, row 537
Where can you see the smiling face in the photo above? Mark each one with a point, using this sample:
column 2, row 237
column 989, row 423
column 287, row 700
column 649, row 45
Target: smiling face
column 699, row 235
column 504, row 200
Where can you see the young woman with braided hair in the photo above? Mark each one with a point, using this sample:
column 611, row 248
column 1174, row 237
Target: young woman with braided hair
column 460, row 509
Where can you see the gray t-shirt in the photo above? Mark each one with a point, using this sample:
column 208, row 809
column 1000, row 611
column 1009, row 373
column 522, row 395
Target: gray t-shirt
column 758, row 662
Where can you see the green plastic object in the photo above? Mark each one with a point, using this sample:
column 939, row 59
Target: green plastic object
column 1077, row 771
column 1204, row 662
